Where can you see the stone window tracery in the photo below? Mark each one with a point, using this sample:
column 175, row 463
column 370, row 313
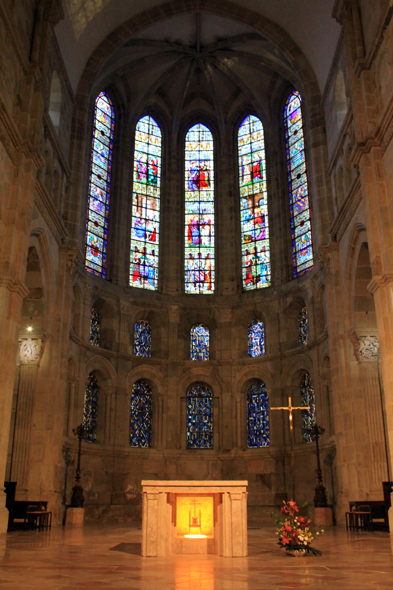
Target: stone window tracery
column 199, row 343
column 199, row 211
column 145, row 224
column 142, row 339
column 99, row 186
column 253, row 205
column 199, row 417
column 307, row 399
column 258, row 423
column 140, row 415
column 95, row 327
column 299, row 202
column 256, row 339
column 90, row 409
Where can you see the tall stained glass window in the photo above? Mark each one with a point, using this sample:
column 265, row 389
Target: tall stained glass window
column 145, row 225
column 258, row 429
column 299, row 203
column 256, row 339
column 253, row 205
column 90, row 409
column 199, row 211
column 95, row 327
column 142, row 339
column 303, row 327
column 99, row 186
column 199, row 343
column 199, row 417
column 307, row 399
column 140, row 415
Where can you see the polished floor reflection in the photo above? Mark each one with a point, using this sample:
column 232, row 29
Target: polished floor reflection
column 103, row 557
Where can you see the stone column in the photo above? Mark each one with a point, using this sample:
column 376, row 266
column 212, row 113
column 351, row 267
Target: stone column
column 367, row 355
column 30, row 352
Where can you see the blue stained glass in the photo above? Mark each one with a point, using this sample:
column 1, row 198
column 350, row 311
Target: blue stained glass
column 301, row 233
column 253, row 205
column 303, row 327
column 199, row 343
column 140, row 415
column 145, row 224
column 256, row 339
column 95, row 327
column 142, row 339
column 307, row 399
column 99, row 186
column 258, row 425
column 199, row 211
column 90, row 409
column 199, row 418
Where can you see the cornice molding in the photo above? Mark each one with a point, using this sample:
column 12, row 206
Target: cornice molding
column 14, row 286
column 379, row 281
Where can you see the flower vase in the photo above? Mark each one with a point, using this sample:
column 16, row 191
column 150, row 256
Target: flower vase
column 297, row 552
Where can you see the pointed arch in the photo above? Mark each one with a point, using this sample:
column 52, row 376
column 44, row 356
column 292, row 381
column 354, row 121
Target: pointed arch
column 99, row 186
column 299, row 202
column 145, row 223
column 253, row 205
column 199, row 211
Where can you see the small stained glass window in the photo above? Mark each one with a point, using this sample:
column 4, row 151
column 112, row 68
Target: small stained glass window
column 199, row 211
column 299, row 202
column 303, row 327
column 199, row 343
column 140, row 415
column 307, row 399
column 90, row 409
column 145, row 223
column 99, row 186
column 95, row 327
column 256, row 339
column 253, row 205
column 142, row 339
column 199, row 417
column 258, row 428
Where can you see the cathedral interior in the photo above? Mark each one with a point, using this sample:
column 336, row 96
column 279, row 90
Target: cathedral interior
column 196, row 224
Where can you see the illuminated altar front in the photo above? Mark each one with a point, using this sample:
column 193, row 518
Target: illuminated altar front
column 194, row 517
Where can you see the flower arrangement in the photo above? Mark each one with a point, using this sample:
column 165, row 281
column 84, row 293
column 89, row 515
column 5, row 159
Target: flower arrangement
column 294, row 532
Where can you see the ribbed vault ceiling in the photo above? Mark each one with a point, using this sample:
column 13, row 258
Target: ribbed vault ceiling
column 186, row 65
column 89, row 22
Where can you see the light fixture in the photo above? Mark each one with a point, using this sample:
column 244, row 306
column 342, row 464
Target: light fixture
column 29, row 328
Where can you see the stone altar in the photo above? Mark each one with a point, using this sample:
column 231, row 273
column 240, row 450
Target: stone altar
column 194, row 517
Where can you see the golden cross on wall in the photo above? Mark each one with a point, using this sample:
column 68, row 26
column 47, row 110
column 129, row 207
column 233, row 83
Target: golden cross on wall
column 290, row 409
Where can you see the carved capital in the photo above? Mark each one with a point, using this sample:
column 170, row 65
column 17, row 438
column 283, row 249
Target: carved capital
column 379, row 281
column 30, row 351
column 366, row 346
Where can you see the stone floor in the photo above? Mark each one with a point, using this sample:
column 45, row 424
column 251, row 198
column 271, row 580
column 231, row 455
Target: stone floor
column 108, row 557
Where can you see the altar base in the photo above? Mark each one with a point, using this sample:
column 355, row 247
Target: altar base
column 194, row 517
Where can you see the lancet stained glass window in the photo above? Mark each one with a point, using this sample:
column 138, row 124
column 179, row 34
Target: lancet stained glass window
column 303, row 327
column 307, row 399
column 258, row 428
column 142, row 339
column 90, row 409
column 95, row 327
column 299, row 203
column 253, row 205
column 199, row 417
column 99, row 186
column 256, row 339
column 140, row 415
column 199, row 343
column 199, row 211
column 145, row 225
